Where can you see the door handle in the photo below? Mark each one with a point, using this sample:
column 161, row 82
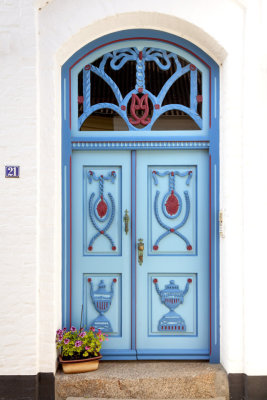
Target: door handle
column 126, row 220
column 140, row 247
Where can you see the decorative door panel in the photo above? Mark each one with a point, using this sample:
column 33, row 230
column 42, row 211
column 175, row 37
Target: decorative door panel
column 102, row 210
column 172, row 308
column 172, row 207
column 173, row 280
column 101, row 264
column 102, row 302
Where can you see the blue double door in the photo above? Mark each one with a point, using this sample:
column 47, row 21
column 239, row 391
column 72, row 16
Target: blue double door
column 140, row 251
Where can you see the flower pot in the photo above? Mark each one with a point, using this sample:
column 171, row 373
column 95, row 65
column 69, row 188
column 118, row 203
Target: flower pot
column 78, row 366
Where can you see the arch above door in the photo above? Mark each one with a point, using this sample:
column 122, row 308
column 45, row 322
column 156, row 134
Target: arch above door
column 140, row 109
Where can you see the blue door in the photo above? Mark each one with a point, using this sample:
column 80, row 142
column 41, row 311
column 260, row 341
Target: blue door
column 172, row 287
column 101, row 256
column 140, row 250
column 140, row 161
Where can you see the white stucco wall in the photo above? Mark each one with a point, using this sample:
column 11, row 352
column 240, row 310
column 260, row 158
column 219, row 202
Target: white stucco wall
column 37, row 37
column 18, row 197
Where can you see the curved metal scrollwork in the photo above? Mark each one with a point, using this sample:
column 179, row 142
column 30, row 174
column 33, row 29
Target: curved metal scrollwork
column 139, row 97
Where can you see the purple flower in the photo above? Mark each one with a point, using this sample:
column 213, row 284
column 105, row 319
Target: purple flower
column 87, row 348
column 82, row 334
column 59, row 332
column 73, row 329
column 60, row 337
column 64, row 329
column 66, row 341
column 92, row 329
column 78, row 343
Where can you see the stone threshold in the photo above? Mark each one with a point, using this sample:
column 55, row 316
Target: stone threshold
column 99, row 398
column 161, row 380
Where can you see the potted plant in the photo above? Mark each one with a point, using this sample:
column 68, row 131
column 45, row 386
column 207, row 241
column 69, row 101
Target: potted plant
column 80, row 349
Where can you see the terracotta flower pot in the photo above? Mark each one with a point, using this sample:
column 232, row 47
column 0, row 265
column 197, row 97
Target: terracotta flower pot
column 78, row 366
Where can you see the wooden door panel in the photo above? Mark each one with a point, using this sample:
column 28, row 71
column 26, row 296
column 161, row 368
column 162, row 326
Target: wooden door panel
column 172, row 287
column 172, row 209
column 102, row 210
column 101, row 250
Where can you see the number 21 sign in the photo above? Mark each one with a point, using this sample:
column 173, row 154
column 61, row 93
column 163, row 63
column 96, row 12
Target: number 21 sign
column 12, row 171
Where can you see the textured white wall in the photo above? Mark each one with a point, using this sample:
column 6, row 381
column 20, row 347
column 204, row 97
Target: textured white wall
column 255, row 189
column 18, row 197
column 30, row 223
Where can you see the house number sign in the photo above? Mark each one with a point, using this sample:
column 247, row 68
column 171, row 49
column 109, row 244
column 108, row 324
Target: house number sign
column 12, row 171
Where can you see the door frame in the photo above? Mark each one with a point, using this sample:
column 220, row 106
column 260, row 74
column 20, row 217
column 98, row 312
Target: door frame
column 209, row 140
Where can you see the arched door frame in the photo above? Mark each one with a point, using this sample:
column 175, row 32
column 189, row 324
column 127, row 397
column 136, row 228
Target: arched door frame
column 177, row 140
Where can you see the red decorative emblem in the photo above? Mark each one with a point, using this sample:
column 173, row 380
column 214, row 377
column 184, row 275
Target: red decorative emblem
column 172, row 204
column 102, row 208
column 139, row 104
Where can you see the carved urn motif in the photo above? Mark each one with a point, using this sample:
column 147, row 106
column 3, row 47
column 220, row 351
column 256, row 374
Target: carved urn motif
column 172, row 296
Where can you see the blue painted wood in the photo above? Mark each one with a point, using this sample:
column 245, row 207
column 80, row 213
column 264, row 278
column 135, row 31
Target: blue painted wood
column 173, row 263
column 117, row 354
column 139, row 144
column 214, row 221
column 173, row 354
column 101, row 275
column 133, row 248
column 112, row 142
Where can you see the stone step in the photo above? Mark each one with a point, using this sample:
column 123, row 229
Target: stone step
column 99, row 398
column 180, row 380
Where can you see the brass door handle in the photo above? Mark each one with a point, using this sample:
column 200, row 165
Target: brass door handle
column 126, row 220
column 140, row 247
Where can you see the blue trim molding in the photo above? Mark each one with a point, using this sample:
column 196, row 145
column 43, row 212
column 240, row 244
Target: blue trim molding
column 135, row 145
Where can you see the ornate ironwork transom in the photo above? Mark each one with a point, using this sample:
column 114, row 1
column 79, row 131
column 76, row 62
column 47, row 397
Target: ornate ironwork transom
column 141, row 105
